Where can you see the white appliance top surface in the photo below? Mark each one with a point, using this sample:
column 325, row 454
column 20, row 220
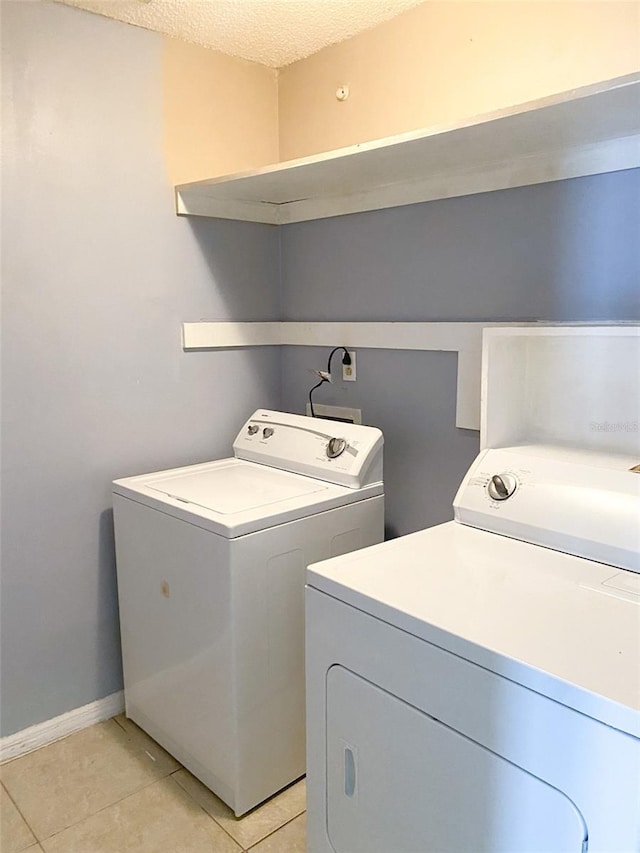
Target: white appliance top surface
column 233, row 497
column 234, row 487
column 564, row 626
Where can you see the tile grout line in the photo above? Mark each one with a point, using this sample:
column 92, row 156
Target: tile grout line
column 189, row 796
column 240, row 848
column 116, row 721
column 244, row 849
column 104, row 808
column 17, row 808
column 99, row 811
column 210, row 816
column 269, row 834
column 202, row 808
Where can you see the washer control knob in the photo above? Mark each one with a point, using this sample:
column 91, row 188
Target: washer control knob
column 267, row 432
column 335, row 447
column 252, row 429
column 502, row 486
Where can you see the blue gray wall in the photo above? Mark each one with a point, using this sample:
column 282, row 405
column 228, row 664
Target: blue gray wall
column 98, row 273
column 562, row 251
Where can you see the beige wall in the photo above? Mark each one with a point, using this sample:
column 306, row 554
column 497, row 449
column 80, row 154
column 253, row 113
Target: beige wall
column 443, row 61
column 220, row 113
column 437, row 63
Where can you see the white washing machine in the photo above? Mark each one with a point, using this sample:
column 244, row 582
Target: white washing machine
column 475, row 687
column 210, row 563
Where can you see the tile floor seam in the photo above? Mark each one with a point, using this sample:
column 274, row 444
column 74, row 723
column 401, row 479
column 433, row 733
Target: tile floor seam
column 238, row 844
column 17, row 808
column 86, row 817
column 98, row 811
column 233, row 838
column 118, row 723
column 202, row 808
column 269, row 834
column 212, row 817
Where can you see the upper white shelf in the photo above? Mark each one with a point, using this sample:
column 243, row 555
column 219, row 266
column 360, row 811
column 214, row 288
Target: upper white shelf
column 586, row 131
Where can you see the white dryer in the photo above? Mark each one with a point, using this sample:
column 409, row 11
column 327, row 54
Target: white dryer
column 475, row 687
column 210, row 563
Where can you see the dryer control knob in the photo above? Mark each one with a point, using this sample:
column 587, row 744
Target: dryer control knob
column 502, row 486
column 335, row 447
column 252, row 429
column 267, row 432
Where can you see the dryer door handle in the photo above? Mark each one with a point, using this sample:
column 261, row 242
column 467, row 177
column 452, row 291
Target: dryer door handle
column 349, row 772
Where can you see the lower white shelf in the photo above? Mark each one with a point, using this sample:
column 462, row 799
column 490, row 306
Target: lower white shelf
column 463, row 338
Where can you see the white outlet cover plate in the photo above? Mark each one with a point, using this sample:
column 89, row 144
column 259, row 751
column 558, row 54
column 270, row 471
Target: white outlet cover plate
column 343, row 413
column 345, row 376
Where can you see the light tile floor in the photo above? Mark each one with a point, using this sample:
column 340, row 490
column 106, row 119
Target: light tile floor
column 111, row 789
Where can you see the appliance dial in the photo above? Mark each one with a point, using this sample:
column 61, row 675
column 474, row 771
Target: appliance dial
column 335, row 447
column 252, row 429
column 502, row 486
column 267, row 432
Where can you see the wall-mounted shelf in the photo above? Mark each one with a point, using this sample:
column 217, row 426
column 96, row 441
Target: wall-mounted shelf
column 586, row 131
column 463, row 338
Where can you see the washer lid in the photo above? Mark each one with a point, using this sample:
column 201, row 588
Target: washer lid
column 232, row 497
column 234, row 487
column 561, row 625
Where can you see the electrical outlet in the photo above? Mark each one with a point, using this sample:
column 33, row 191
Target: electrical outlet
column 349, row 370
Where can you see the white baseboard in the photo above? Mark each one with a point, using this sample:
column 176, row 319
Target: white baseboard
column 49, row 731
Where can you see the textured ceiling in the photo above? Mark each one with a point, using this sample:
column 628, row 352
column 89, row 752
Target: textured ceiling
column 272, row 32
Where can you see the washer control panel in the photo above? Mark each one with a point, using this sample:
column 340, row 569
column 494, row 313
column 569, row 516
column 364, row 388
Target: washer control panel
column 345, row 454
column 573, row 501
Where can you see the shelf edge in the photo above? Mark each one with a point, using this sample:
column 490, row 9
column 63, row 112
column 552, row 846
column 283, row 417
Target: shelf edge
column 612, row 155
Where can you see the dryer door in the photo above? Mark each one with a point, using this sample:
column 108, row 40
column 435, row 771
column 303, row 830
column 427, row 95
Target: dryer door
column 399, row 780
